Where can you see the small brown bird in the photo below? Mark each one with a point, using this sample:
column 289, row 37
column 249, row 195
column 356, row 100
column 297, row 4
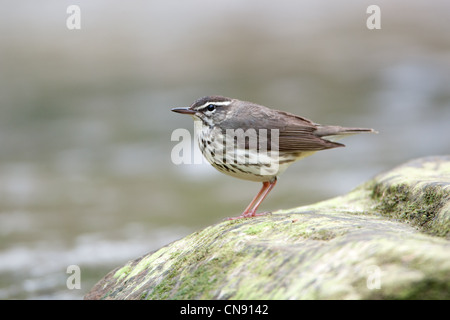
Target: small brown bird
column 252, row 142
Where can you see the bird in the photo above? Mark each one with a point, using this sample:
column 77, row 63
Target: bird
column 257, row 143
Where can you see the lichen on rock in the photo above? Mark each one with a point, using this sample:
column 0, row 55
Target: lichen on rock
column 387, row 239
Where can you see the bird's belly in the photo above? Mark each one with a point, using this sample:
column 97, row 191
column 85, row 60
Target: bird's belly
column 250, row 172
column 247, row 164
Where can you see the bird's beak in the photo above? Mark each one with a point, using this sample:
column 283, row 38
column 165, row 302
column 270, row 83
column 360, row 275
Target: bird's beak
column 184, row 111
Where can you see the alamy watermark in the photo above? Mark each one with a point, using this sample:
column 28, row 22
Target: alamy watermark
column 73, row 21
column 234, row 146
column 374, row 20
column 74, row 280
column 373, row 281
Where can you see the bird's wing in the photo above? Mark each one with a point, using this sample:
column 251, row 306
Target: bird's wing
column 278, row 130
column 299, row 134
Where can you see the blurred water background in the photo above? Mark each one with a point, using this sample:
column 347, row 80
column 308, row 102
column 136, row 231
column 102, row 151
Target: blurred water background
column 86, row 176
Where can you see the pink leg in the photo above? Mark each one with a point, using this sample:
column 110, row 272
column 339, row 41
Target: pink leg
column 255, row 199
column 271, row 184
column 250, row 211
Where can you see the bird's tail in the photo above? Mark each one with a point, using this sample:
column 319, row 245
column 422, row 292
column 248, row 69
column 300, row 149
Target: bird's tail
column 335, row 132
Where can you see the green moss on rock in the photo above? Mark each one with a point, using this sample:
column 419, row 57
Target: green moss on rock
column 387, row 239
column 418, row 193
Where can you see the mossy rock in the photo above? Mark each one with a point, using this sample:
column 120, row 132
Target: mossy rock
column 387, row 239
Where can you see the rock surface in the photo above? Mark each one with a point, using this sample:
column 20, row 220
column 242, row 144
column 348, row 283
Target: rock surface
column 387, row 239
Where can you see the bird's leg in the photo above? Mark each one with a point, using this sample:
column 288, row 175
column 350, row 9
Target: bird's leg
column 250, row 211
column 267, row 188
column 246, row 214
column 255, row 199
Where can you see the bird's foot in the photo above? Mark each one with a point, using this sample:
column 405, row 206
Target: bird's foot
column 250, row 215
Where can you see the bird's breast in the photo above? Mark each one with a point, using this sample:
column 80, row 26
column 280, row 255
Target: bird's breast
column 233, row 158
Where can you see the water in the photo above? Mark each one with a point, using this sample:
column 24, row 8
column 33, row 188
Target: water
column 85, row 172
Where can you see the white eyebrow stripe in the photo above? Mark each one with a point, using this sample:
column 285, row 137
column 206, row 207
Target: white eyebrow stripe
column 218, row 103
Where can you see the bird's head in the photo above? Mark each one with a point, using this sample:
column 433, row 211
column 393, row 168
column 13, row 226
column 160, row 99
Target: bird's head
column 211, row 110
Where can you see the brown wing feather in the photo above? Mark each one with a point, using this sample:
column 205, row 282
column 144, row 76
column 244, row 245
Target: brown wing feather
column 296, row 134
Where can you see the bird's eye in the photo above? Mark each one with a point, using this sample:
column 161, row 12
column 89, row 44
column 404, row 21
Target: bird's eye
column 211, row 107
